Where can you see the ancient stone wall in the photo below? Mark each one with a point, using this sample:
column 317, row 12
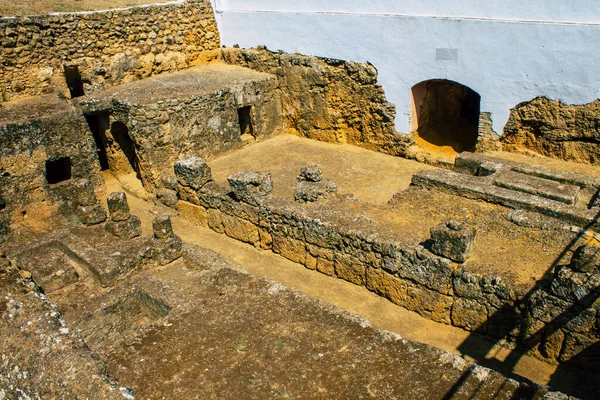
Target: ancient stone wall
column 555, row 129
column 330, row 100
column 101, row 49
column 44, row 146
column 553, row 320
column 202, row 125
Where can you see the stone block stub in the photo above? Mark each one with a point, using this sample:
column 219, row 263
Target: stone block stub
column 91, row 215
column 250, row 187
column 453, row 240
column 193, row 172
column 161, row 225
column 585, row 258
column 85, row 195
column 128, row 229
column 118, row 206
column 311, row 186
column 310, row 173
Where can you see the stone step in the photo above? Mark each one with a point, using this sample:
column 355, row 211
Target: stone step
column 470, row 163
column 482, row 188
column 549, row 189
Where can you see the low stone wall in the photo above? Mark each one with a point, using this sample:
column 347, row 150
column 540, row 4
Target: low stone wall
column 107, row 48
column 555, row 129
column 330, row 100
column 554, row 320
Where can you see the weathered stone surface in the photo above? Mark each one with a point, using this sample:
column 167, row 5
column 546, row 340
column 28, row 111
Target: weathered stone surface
column 480, row 188
column 161, row 225
column 452, row 240
column 193, row 213
column 549, row 189
column 168, row 197
column 34, row 134
column 118, row 206
column 193, row 172
column 384, row 284
column 169, row 182
column 585, row 258
column 41, row 356
column 289, row 248
column 240, row 229
column 85, row 195
column 470, row 315
column 316, row 94
column 91, row 215
column 128, row 229
column 576, row 286
column 350, row 269
column 307, row 191
column 250, row 187
column 554, row 129
column 169, row 249
column 51, row 268
column 311, row 173
column 178, row 36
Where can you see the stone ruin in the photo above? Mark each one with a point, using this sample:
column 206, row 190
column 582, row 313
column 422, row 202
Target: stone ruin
column 100, row 302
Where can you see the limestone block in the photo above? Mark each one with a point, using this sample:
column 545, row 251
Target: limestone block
column 250, row 187
column 240, row 229
column 289, row 248
column 85, row 194
column 429, row 303
column 118, row 206
column 349, row 269
column 384, row 284
column 128, row 229
column 161, row 225
column 310, row 262
column 452, row 240
column 91, row 215
column 169, row 182
column 470, row 315
column 215, row 220
column 552, row 344
column 307, row 191
column 193, row 213
column 193, row 172
column 169, row 250
column 585, row 258
column 168, row 197
column 311, row 173
column 325, row 266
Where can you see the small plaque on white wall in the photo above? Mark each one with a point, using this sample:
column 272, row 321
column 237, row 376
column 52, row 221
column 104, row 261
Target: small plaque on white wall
column 446, row 54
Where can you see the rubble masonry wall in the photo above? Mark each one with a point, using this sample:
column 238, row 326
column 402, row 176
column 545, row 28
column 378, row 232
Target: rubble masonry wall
column 108, row 47
column 554, row 321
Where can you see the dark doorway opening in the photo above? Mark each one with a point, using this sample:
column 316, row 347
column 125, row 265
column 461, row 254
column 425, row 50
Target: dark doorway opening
column 446, row 113
column 74, row 82
column 245, row 119
column 98, row 124
column 58, row 170
column 120, row 133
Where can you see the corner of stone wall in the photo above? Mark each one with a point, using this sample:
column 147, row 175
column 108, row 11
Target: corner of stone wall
column 488, row 139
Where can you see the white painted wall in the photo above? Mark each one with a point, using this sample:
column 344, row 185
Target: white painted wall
column 501, row 52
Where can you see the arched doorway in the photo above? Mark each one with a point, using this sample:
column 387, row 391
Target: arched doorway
column 445, row 113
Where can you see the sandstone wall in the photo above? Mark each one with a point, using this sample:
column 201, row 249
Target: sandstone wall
column 27, row 198
column 555, row 321
column 330, row 100
column 555, row 129
column 107, row 47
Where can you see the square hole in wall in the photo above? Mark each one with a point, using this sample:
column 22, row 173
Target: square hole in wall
column 74, row 82
column 58, row 170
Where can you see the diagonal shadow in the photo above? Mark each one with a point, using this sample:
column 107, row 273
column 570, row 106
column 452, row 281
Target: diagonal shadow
column 511, row 318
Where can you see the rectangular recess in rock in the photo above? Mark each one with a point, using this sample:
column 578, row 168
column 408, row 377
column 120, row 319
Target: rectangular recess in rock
column 549, row 189
column 58, row 170
column 51, row 268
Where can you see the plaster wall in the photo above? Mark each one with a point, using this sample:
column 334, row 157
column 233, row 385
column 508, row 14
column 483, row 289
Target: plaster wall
column 508, row 53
